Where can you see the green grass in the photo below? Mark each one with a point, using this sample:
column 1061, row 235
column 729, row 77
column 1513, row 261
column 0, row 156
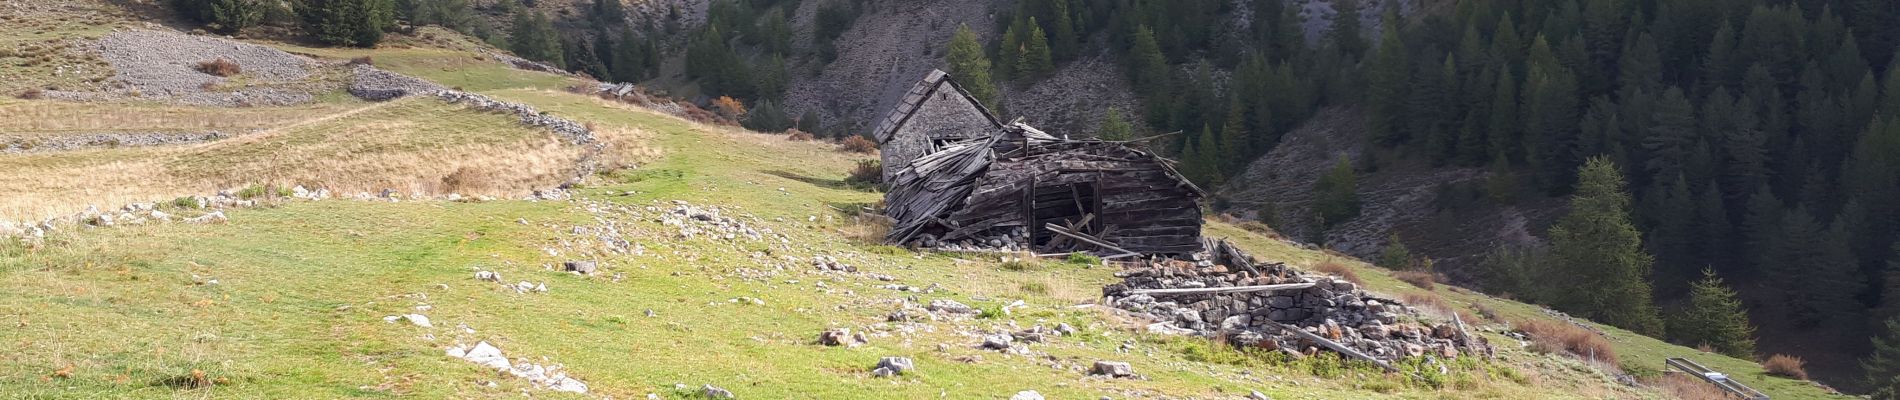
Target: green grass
column 303, row 288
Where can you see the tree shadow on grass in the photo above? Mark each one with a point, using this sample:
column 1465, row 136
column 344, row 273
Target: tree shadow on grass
column 840, row 184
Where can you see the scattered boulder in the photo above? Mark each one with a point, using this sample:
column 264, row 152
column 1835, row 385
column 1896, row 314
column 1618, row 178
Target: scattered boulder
column 584, row 267
column 997, row 342
column 893, row 366
column 841, row 337
column 1026, row 395
column 951, row 307
column 1113, row 369
column 214, row 217
column 1256, row 395
column 717, row 392
column 490, row 276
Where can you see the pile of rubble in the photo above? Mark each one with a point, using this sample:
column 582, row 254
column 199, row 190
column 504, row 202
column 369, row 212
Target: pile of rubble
column 1224, row 293
column 695, row 221
column 1016, row 239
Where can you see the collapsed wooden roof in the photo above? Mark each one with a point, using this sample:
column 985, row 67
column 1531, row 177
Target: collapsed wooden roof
column 972, row 186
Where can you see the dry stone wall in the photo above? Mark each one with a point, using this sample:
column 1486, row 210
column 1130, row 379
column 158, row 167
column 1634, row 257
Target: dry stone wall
column 1331, row 308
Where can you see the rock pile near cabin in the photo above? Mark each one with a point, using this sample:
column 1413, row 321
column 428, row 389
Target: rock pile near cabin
column 1330, row 307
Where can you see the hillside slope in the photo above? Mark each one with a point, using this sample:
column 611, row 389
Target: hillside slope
column 719, row 264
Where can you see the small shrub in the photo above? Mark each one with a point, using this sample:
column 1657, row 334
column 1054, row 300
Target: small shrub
column 797, row 135
column 1786, row 366
column 1084, row 259
column 1558, row 336
column 857, row 144
column 186, row 202
column 32, row 94
column 990, row 311
column 867, row 172
column 220, row 67
column 364, row 60
column 251, row 192
column 1421, row 279
column 729, row 107
column 1332, row 267
column 1038, row 288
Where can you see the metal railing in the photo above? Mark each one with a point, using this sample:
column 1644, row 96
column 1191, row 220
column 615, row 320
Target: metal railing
column 1717, row 378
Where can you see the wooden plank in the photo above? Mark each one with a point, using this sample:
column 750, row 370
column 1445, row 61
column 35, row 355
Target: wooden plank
column 1328, row 343
column 1221, row 290
column 1085, row 238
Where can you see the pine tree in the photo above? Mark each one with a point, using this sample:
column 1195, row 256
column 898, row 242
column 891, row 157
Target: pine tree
column 1715, row 318
column 357, row 23
column 969, row 67
column 1337, row 197
column 1550, row 118
column 534, row 38
column 1036, row 60
column 1062, row 34
column 1009, row 54
column 629, row 60
column 1890, row 287
column 1713, row 227
column 1147, row 65
column 1641, row 66
column 1672, row 239
column 1395, row 256
column 1386, row 89
column 1597, row 245
column 222, row 16
column 1883, row 362
column 1115, row 127
column 1504, row 125
column 1344, row 33
column 1761, row 228
column 1233, row 138
column 1814, row 271
column 1671, row 135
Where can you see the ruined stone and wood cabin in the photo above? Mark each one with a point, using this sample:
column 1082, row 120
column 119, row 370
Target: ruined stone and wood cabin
column 961, row 178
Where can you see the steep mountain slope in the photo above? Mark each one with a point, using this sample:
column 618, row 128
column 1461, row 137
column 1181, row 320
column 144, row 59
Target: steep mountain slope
column 720, row 259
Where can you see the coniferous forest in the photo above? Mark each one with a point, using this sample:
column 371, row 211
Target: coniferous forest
column 1722, row 159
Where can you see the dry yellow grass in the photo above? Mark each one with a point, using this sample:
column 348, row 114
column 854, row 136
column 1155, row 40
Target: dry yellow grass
column 415, row 146
column 52, row 118
column 1687, row 387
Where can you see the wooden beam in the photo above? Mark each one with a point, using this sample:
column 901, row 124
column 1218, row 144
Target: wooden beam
column 1222, row 290
column 1084, row 238
column 1342, row 349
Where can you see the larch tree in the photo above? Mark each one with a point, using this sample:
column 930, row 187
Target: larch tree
column 969, row 67
column 1386, row 89
column 1598, row 246
column 1036, row 62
